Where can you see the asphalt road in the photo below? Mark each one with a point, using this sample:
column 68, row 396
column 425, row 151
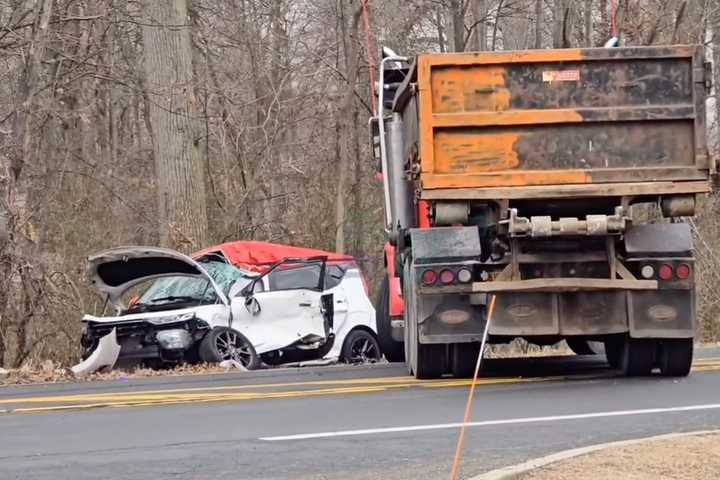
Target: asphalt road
column 338, row 422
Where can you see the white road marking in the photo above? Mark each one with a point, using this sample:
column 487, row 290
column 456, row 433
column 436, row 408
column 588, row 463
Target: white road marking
column 486, row 423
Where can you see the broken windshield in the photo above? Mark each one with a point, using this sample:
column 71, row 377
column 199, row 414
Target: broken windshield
column 183, row 288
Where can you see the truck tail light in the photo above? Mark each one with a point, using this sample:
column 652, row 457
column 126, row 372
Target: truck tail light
column 647, row 271
column 665, row 272
column 447, row 277
column 464, row 275
column 682, row 271
column 429, row 277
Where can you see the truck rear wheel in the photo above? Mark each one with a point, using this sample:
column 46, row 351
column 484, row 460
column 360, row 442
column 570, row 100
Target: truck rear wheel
column 580, row 346
column 427, row 361
column 676, row 357
column 637, row 357
column 424, row 361
column 464, row 359
column 394, row 351
column 613, row 351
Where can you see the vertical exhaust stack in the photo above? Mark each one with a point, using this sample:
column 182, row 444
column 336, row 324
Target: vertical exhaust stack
column 401, row 193
column 399, row 206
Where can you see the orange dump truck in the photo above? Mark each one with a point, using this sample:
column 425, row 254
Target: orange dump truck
column 552, row 181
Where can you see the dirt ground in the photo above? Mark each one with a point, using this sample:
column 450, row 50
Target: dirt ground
column 696, row 458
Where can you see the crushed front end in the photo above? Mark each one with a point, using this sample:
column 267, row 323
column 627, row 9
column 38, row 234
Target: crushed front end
column 149, row 341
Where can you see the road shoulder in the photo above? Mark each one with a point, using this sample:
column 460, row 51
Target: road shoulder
column 665, row 455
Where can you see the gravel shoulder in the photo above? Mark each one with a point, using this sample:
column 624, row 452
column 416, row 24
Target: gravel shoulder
column 696, row 457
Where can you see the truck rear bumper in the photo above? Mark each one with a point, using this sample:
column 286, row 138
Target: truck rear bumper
column 569, row 191
column 641, row 313
column 543, row 285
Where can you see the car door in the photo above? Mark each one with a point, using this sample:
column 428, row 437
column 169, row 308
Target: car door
column 334, row 286
column 285, row 306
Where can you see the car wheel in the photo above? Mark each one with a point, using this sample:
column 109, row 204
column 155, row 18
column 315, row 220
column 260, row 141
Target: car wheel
column 224, row 343
column 393, row 350
column 360, row 347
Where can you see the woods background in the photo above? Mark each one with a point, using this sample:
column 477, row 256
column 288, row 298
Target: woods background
column 184, row 123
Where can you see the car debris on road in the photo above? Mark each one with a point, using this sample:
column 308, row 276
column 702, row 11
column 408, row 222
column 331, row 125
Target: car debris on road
column 242, row 302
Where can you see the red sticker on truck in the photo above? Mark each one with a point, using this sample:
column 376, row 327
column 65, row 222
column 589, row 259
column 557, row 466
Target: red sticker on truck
column 550, row 76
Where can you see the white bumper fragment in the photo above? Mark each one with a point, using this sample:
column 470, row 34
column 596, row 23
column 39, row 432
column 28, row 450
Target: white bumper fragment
column 104, row 356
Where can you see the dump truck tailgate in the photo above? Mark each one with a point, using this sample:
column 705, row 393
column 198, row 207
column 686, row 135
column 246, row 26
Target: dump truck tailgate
column 561, row 117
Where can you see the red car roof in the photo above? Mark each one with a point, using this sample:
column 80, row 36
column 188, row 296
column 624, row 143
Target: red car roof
column 257, row 256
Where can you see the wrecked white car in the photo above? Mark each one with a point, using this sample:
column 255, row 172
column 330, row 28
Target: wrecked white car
column 166, row 307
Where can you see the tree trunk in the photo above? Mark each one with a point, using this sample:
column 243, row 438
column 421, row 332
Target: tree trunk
column 539, row 7
column 500, row 5
column 605, row 28
column 440, row 30
column 480, row 25
column 588, row 23
column 458, row 23
column 714, row 123
column 621, row 6
column 177, row 129
column 558, row 23
column 346, row 119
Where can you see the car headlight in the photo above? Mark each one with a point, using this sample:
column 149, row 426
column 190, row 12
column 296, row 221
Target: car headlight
column 175, row 339
column 171, row 319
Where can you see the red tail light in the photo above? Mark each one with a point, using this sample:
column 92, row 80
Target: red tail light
column 682, row 271
column 447, row 277
column 665, row 272
column 429, row 277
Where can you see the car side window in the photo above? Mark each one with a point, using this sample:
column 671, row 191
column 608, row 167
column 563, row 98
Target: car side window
column 259, row 286
column 294, row 278
column 333, row 276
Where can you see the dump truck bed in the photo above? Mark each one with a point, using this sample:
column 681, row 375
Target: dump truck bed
column 558, row 122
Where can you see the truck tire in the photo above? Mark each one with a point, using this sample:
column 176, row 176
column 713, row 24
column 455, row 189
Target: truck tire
column 637, row 357
column 223, row 343
column 393, row 350
column 676, row 357
column 580, row 346
column 428, row 361
column 464, row 359
column 613, row 351
column 423, row 361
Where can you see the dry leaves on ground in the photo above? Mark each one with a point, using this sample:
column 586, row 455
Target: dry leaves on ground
column 696, row 458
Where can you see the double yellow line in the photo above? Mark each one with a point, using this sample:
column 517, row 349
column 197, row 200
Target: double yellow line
column 237, row 393
column 315, row 388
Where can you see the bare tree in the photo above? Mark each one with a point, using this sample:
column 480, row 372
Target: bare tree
column 479, row 25
column 457, row 14
column 348, row 130
column 588, row 17
column 560, row 24
column 177, row 133
column 539, row 10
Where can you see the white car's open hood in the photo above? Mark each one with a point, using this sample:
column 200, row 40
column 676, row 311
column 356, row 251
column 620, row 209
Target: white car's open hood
column 112, row 272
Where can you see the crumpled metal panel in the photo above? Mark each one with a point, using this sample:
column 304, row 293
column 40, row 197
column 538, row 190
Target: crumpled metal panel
column 104, row 356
